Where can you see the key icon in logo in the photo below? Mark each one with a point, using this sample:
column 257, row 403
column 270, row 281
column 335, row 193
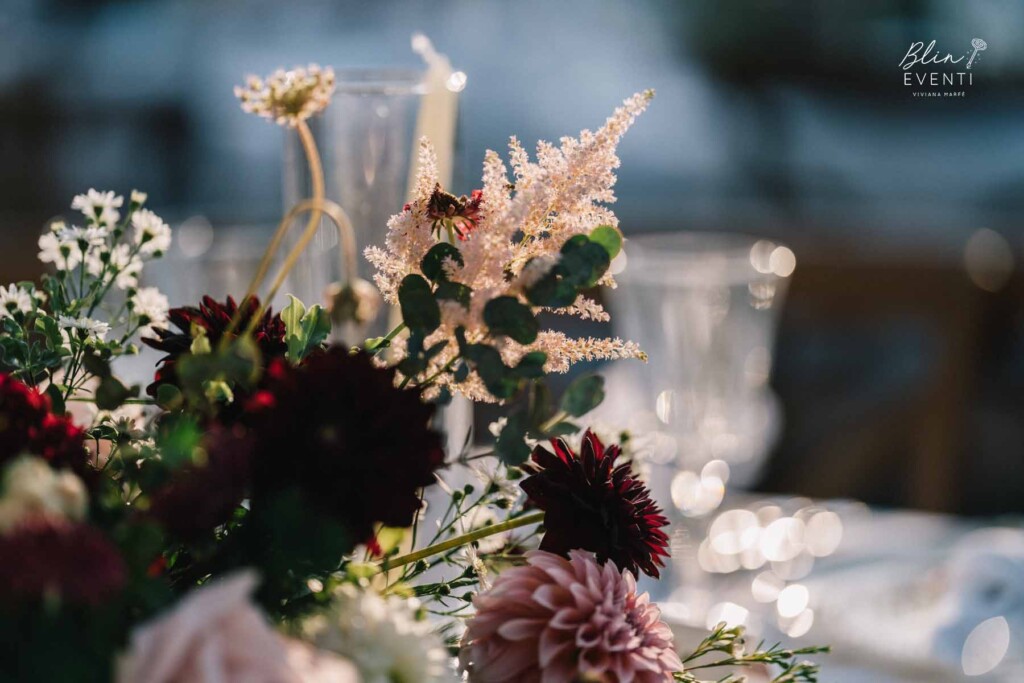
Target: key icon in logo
column 978, row 44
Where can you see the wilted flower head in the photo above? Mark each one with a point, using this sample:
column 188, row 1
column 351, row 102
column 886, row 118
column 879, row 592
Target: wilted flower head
column 458, row 214
column 594, row 504
column 386, row 638
column 562, row 620
column 288, row 97
column 214, row 635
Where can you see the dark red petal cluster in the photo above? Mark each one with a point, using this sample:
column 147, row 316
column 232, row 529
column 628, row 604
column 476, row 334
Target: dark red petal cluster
column 593, row 504
column 200, row 497
column 28, row 426
column 215, row 318
column 357, row 447
column 458, row 213
column 76, row 562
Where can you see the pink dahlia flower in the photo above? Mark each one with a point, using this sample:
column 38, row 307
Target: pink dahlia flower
column 559, row 620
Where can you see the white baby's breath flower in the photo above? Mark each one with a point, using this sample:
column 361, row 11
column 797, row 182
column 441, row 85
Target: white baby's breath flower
column 99, row 208
column 151, row 233
column 63, row 255
column 150, row 304
column 85, row 238
column 383, row 637
column 32, row 487
column 126, row 266
column 86, row 328
column 288, row 97
column 139, row 198
column 14, row 299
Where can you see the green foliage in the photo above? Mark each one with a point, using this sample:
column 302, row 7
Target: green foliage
column 608, row 237
column 432, row 263
column 420, row 311
column 583, row 261
column 583, row 395
column 305, row 329
column 505, row 315
column 510, row 446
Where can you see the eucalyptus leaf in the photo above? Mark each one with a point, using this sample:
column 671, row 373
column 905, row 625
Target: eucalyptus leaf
column 420, row 311
column 608, row 237
column 432, row 264
column 506, row 315
column 583, row 395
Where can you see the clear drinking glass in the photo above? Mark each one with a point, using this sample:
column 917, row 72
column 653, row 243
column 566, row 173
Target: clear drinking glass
column 704, row 306
column 366, row 140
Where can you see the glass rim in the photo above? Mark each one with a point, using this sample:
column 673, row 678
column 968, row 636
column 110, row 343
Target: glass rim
column 380, row 81
column 688, row 258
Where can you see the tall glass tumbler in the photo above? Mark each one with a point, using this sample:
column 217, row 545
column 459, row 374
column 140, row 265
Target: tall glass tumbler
column 366, row 140
column 704, row 306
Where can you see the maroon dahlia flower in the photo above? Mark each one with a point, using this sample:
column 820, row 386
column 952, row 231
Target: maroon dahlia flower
column 592, row 504
column 28, row 426
column 357, row 448
column 200, row 497
column 214, row 317
column 45, row 556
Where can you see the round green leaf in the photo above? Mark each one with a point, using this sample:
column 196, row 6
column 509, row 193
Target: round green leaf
column 432, row 263
column 506, row 315
column 420, row 311
column 608, row 237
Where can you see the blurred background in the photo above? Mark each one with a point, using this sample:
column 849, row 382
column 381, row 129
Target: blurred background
column 899, row 365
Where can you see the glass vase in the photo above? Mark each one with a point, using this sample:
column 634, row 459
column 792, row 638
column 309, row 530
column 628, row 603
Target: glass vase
column 366, row 141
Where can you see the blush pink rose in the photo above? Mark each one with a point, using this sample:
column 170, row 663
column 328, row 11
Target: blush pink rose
column 217, row 635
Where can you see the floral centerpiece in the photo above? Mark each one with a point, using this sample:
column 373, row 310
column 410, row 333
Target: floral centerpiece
column 255, row 513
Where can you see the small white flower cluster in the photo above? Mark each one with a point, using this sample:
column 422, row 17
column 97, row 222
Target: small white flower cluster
column 31, row 488
column 384, row 637
column 151, row 306
column 86, row 329
column 288, row 97
column 98, row 245
column 516, row 241
column 15, row 299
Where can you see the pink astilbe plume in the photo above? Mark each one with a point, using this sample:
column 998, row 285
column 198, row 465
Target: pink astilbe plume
column 560, row 620
column 513, row 221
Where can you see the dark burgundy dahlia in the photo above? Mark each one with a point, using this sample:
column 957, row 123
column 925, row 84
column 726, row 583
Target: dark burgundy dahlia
column 200, row 497
column 45, row 557
column 28, row 426
column 356, row 447
column 214, row 317
column 593, row 504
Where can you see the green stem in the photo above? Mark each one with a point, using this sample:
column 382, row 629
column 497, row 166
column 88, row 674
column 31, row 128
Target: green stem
column 127, row 401
column 555, row 419
column 386, row 341
column 464, row 539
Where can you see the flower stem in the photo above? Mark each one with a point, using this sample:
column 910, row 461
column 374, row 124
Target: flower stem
column 464, row 539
